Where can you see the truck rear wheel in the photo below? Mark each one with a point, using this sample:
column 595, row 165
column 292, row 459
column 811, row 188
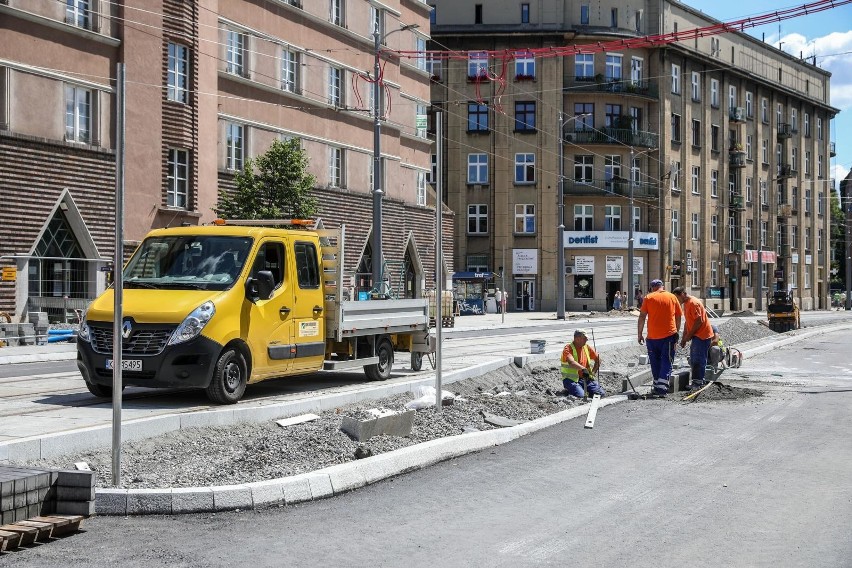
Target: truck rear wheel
column 229, row 379
column 381, row 371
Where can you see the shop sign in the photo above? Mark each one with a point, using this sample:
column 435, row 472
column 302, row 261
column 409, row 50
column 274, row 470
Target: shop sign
column 750, row 255
column 614, row 267
column 638, row 266
column 9, row 273
column 524, row 261
column 610, row 239
column 584, row 265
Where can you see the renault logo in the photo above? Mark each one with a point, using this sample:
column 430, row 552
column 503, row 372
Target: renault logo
column 126, row 330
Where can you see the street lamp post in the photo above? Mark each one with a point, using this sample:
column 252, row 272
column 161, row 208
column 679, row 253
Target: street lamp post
column 560, row 228
column 377, row 153
column 630, row 290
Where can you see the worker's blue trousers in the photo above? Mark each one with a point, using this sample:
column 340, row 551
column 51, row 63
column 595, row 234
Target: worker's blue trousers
column 698, row 351
column 661, row 353
column 576, row 389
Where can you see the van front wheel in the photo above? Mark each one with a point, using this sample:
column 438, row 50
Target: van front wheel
column 229, row 379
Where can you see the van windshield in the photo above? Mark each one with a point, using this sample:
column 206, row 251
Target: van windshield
column 188, row 262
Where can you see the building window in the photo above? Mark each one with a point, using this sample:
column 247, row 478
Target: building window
column 696, row 86
column 613, row 18
column 732, row 230
column 749, row 229
column 635, row 172
column 477, row 117
column 675, row 177
column 764, row 110
column 377, row 23
column 714, row 274
column 807, row 124
column 177, row 179
column 584, row 67
column 714, row 93
column 584, row 116
column 612, row 170
column 584, row 169
column 525, row 116
column 764, row 151
column 732, row 97
column 433, row 66
column 695, row 232
column 819, row 167
column 764, row 193
column 675, row 224
column 524, row 65
column 612, row 116
column 696, row 133
column 477, row 219
column 821, row 204
column 584, row 15
column 524, row 168
column 636, row 65
column 477, row 14
column 477, row 168
column 779, row 114
column 807, row 162
column 525, row 13
column 696, row 175
column 235, row 51
column 748, row 195
column 819, row 240
column 714, row 183
column 335, row 166
column 477, row 64
column 749, row 155
column 420, row 48
column 613, row 68
column 637, row 20
column 78, row 114
column 819, row 128
column 637, row 218
column 714, row 228
column 808, row 239
column 714, row 137
column 794, row 159
column 335, row 92
column 290, row 71
column 477, row 263
column 675, row 127
column 420, row 117
column 421, row 188
column 794, row 120
column 612, row 217
column 77, row 13
column 675, row 79
column 178, row 73
column 524, row 218
column 635, row 119
column 749, row 104
column 432, row 175
column 235, row 147
column 335, row 12
column 584, row 218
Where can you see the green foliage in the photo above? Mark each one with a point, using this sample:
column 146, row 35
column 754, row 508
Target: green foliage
column 274, row 185
column 837, row 240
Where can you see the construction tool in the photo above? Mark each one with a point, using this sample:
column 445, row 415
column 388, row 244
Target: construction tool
column 635, row 394
column 593, row 411
column 699, row 391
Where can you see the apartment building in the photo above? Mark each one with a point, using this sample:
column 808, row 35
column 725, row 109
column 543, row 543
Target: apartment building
column 209, row 85
column 712, row 153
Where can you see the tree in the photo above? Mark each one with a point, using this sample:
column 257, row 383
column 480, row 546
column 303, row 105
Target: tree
column 275, row 185
column 837, row 241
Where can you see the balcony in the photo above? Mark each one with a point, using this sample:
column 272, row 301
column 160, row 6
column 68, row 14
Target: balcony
column 737, row 159
column 737, row 114
column 785, row 171
column 784, row 250
column 737, row 246
column 785, row 210
column 737, row 202
column 784, row 131
column 622, row 136
column 604, row 187
column 832, row 150
column 599, row 84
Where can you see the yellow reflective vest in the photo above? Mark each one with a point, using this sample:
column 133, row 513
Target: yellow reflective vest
column 569, row 372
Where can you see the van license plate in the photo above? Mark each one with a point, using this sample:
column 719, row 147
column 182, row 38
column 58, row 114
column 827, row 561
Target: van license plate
column 127, row 364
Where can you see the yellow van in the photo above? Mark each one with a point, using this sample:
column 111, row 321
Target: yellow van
column 219, row 307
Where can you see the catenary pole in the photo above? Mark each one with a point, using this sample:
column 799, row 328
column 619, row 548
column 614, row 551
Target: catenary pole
column 377, row 163
column 630, row 218
column 560, row 224
column 439, row 258
column 118, row 276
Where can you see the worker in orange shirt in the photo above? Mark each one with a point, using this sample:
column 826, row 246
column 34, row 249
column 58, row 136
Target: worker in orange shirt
column 663, row 312
column 699, row 331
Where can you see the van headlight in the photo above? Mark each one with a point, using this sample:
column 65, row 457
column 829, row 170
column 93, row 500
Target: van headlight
column 84, row 333
column 191, row 327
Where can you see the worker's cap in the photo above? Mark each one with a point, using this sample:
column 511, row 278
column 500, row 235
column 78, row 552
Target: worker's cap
column 580, row 332
column 656, row 283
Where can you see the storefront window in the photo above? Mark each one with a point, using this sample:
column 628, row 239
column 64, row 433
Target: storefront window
column 583, row 286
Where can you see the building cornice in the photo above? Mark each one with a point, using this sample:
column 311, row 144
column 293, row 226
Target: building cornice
column 57, row 25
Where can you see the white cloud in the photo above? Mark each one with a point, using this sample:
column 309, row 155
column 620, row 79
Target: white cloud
column 839, row 172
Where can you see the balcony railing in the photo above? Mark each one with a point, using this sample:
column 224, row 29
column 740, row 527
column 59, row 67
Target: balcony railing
column 784, row 250
column 737, row 159
column 603, row 85
column 738, row 202
column 785, row 171
column 609, row 187
column 832, row 150
column 624, row 136
column 784, row 131
column 737, row 246
column 736, row 114
column 785, row 210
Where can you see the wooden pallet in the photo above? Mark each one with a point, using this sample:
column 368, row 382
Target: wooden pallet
column 38, row 529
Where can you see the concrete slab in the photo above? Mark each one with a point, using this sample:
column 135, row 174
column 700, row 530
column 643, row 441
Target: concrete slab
column 149, row 502
column 230, row 497
column 192, row 500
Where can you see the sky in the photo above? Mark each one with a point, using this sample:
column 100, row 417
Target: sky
column 828, row 35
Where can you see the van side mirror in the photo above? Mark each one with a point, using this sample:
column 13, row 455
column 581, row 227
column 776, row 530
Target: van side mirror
column 260, row 287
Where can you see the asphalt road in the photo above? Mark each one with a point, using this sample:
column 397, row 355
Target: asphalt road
column 759, row 482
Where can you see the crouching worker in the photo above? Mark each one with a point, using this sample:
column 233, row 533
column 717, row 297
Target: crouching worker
column 580, row 364
column 718, row 353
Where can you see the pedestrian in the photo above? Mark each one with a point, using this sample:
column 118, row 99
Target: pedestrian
column 698, row 330
column 498, row 297
column 662, row 310
column 616, row 301
column 580, row 364
column 637, row 298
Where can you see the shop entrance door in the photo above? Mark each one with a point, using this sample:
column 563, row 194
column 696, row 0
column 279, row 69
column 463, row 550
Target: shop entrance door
column 612, row 286
column 524, row 295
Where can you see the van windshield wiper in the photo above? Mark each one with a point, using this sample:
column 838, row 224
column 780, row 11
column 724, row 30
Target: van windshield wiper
column 139, row 284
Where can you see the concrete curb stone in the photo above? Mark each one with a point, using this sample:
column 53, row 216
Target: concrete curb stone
column 192, row 500
column 297, row 489
column 266, row 493
column 319, row 485
column 149, row 501
column 113, row 501
column 230, row 497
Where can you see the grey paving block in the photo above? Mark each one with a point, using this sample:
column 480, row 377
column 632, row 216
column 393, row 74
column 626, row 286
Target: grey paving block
column 230, row 497
column 344, row 477
column 297, row 489
column 148, row 501
column 33, row 510
column 64, row 493
column 19, row 499
column 266, row 493
column 7, row 503
column 32, row 497
column 76, row 478
column 396, row 424
column 111, row 501
column 7, row 487
column 7, row 517
column 192, row 500
column 320, row 485
column 75, row 508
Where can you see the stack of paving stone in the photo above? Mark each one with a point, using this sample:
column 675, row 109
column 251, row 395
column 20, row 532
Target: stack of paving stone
column 38, row 504
column 9, row 331
column 41, row 324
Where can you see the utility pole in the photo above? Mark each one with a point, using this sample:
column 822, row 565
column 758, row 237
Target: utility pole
column 758, row 300
column 560, row 226
column 630, row 286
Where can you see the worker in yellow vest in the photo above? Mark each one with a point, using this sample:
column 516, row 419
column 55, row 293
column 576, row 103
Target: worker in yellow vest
column 580, row 364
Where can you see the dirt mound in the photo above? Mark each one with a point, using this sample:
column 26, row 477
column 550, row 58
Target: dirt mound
column 721, row 391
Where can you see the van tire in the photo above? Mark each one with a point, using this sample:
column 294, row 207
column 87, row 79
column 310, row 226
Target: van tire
column 229, row 379
column 381, row 371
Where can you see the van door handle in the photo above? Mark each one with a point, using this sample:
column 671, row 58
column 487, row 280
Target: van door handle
column 285, row 311
column 317, row 309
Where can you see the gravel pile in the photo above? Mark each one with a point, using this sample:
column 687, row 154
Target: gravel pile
column 736, row 331
column 720, row 391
